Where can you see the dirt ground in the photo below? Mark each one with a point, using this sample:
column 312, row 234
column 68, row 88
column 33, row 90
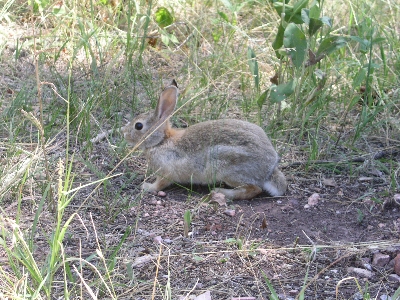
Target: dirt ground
column 232, row 247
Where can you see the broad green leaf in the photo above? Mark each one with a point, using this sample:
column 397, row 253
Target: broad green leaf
column 314, row 25
column 163, row 17
column 305, row 15
column 280, row 92
column 295, row 42
column 278, row 43
column 253, row 64
column 315, row 11
column 330, row 44
column 311, row 18
column 298, row 6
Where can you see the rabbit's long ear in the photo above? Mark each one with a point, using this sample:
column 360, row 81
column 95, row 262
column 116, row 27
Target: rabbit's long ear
column 167, row 102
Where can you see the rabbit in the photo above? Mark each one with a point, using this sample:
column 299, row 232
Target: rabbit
column 234, row 152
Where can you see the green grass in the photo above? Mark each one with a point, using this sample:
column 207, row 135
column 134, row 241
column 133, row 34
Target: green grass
column 96, row 68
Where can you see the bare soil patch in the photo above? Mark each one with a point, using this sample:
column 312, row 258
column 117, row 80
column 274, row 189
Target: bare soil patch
column 284, row 239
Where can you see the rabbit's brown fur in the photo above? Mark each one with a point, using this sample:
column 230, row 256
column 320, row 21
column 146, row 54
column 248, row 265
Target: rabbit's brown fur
column 234, row 152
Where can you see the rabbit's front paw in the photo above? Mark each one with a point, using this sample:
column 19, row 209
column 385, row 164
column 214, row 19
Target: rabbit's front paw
column 149, row 187
column 158, row 185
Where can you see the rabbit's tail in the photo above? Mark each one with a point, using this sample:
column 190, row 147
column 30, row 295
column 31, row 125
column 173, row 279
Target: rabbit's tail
column 277, row 184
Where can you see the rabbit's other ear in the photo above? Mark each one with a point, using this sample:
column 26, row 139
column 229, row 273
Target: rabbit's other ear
column 173, row 82
column 167, row 102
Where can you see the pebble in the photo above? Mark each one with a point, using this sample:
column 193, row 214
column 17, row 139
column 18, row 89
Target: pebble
column 393, row 278
column 361, row 272
column 397, row 264
column 153, row 201
column 380, row 259
column 161, row 194
column 396, row 198
column 313, row 199
column 158, row 239
column 230, row 212
column 146, row 215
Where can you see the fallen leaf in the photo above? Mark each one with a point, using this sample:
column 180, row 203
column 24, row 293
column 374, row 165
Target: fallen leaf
column 329, row 182
column 213, row 227
column 142, row 260
column 218, row 198
column 264, row 223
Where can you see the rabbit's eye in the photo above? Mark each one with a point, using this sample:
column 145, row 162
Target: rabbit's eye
column 138, row 126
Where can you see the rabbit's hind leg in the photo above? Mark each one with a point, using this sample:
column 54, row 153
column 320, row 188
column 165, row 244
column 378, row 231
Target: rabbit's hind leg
column 243, row 192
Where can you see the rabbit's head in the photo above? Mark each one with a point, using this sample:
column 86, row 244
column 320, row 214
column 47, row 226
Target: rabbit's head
column 149, row 129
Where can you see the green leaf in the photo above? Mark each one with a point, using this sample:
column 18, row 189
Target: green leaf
column 230, row 240
column 290, row 16
column 363, row 43
column 263, row 97
column 187, row 217
column 305, row 15
column 359, row 78
column 253, row 64
column 378, row 40
column 315, row 24
column 163, row 17
column 298, row 6
column 274, row 295
column 278, row 42
column 224, row 16
column 295, row 42
column 315, row 11
column 326, row 21
column 228, row 5
column 280, row 92
column 330, row 44
column 311, row 18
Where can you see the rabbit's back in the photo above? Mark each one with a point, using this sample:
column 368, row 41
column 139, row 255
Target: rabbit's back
column 217, row 150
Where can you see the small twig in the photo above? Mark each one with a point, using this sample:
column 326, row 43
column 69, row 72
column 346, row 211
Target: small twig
column 359, row 159
column 156, row 275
